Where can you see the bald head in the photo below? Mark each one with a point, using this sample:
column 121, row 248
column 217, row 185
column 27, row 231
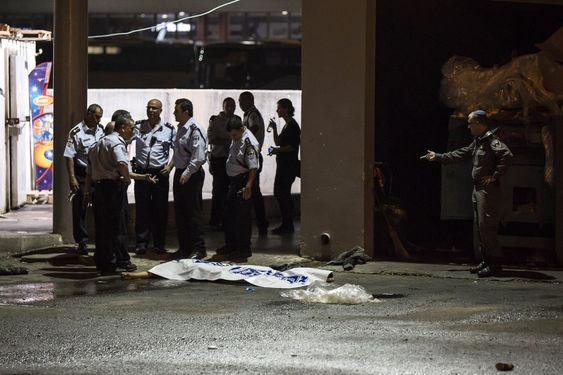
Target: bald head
column 154, row 109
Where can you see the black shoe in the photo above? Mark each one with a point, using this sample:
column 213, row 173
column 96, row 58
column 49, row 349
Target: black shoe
column 478, row 267
column 126, row 267
column 218, row 258
column 490, row 270
column 108, row 272
column 240, row 256
column 160, row 250
column 223, row 250
column 141, row 250
column 237, row 259
column 177, row 255
column 282, row 230
column 82, row 248
column 198, row 254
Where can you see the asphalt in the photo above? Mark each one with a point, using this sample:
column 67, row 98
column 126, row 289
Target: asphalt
column 62, row 318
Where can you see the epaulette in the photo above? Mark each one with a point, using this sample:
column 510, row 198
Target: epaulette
column 121, row 142
column 247, row 142
column 169, row 126
column 75, row 130
column 193, row 126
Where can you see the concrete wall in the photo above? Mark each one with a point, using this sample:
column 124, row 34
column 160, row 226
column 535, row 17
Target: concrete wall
column 14, row 102
column 206, row 103
column 338, row 81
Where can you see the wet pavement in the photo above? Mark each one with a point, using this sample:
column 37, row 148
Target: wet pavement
column 156, row 326
column 62, row 318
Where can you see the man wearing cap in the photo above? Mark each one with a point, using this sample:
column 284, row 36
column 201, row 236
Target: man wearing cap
column 81, row 138
column 154, row 139
column 491, row 158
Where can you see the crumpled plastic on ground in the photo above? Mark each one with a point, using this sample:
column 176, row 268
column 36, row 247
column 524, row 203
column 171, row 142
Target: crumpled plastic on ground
column 347, row 294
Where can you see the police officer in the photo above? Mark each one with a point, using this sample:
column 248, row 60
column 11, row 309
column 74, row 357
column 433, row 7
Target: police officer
column 242, row 168
column 219, row 141
column 190, row 147
column 80, row 139
column 154, row 139
column 108, row 174
column 491, row 158
column 253, row 121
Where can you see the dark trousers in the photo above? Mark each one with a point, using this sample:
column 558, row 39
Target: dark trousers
column 110, row 215
column 237, row 218
column 188, row 204
column 486, row 215
column 285, row 176
column 151, row 210
column 78, row 210
column 258, row 203
column 218, row 168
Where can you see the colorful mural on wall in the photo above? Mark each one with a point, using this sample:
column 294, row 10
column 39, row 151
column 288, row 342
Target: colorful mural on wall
column 41, row 107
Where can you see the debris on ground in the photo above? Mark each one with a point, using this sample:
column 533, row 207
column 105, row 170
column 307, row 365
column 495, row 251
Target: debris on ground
column 388, row 295
column 504, row 366
column 349, row 259
column 12, row 270
column 347, row 294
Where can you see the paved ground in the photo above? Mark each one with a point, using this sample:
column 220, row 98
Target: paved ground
column 62, row 318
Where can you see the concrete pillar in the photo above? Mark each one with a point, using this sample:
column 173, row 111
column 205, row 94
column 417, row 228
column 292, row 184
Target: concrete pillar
column 558, row 184
column 70, row 77
column 338, row 124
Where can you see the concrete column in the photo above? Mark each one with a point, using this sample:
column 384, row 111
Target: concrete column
column 338, row 125
column 70, row 89
column 558, row 185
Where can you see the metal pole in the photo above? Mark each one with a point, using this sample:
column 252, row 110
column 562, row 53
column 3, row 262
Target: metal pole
column 70, row 77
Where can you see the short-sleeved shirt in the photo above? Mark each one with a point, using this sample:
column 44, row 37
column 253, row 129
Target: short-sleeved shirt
column 152, row 145
column 80, row 139
column 290, row 135
column 218, row 135
column 190, row 147
column 243, row 155
column 253, row 120
column 104, row 157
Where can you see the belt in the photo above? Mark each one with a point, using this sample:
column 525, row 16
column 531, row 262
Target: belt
column 106, row 181
column 241, row 176
column 150, row 170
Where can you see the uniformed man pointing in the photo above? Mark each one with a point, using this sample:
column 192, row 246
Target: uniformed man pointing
column 242, row 168
column 491, row 158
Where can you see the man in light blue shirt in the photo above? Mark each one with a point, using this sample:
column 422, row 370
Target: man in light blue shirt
column 80, row 139
column 242, row 169
column 153, row 140
column 190, row 147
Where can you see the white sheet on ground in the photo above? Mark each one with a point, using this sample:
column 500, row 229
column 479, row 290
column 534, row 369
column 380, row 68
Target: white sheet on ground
column 186, row 269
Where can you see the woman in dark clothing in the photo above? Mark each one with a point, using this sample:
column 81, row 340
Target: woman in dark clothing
column 287, row 160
